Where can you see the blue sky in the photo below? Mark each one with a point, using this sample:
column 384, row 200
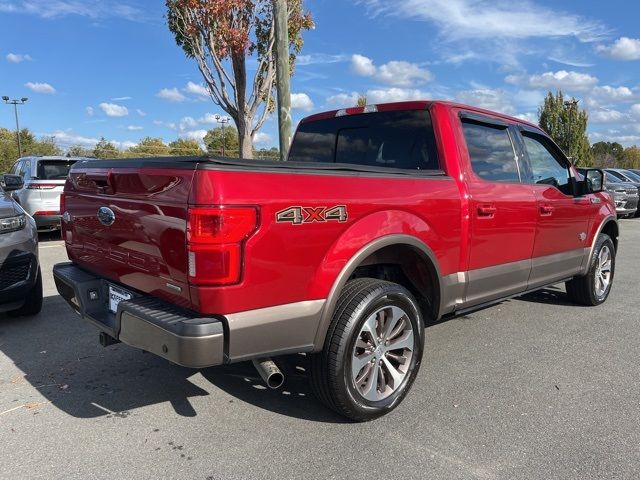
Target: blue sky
column 111, row 68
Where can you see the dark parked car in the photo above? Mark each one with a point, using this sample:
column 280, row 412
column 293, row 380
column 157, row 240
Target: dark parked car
column 20, row 279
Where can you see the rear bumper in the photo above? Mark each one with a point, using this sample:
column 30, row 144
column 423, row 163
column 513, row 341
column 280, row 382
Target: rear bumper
column 47, row 222
column 144, row 322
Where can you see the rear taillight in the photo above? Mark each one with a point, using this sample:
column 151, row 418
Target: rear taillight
column 41, row 186
column 62, row 209
column 215, row 238
column 46, row 212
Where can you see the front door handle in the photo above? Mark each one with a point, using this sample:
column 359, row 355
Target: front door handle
column 546, row 210
column 486, row 210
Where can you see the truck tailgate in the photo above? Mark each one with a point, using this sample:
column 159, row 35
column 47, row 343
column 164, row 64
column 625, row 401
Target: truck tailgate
column 144, row 245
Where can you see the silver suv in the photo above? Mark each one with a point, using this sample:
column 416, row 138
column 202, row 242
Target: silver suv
column 20, row 279
column 44, row 179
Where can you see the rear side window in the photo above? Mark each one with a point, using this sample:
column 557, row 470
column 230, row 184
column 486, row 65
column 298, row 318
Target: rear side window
column 491, row 152
column 402, row 139
column 54, row 169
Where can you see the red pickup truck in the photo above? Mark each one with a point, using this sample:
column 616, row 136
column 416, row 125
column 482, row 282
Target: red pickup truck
column 384, row 219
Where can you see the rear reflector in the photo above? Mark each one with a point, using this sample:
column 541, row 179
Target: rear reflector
column 42, row 186
column 215, row 239
column 47, row 212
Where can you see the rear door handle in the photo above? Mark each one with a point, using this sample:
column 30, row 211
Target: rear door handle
column 486, row 210
column 546, row 210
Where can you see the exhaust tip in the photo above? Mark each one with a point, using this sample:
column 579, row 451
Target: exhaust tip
column 270, row 373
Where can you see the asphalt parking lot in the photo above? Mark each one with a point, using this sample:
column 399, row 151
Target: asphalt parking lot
column 532, row 388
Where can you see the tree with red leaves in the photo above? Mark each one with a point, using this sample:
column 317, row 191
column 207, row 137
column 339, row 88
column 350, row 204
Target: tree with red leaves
column 221, row 35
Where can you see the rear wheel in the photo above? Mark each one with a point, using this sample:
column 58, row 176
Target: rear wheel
column 593, row 288
column 33, row 302
column 372, row 352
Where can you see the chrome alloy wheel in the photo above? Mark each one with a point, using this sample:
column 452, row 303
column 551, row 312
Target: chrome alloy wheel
column 603, row 271
column 382, row 353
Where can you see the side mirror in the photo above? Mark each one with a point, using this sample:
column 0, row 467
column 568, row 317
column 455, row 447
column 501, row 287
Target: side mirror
column 593, row 181
column 10, row 182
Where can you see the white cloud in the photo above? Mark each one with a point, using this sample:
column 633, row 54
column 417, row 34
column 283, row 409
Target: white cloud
column 603, row 115
column 363, row 66
column 187, row 123
column 490, row 19
column 141, row 112
column 624, row 48
column 495, row 100
column 171, row 95
column 135, row 128
column 194, row 135
column 19, row 57
column 197, row 89
column 37, row 87
column 396, row 73
column 395, row 95
column 92, row 9
column 562, row 79
column 616, row 94
column 261, row 138
column 319, row 58
column 378, row 95
column 635, row 111
column 90, row 111
column 208, row 118
column 121, row 99
column 528, row 117
column 343, row 99
column 301, row 101
column 68, row 138
column 114, row 110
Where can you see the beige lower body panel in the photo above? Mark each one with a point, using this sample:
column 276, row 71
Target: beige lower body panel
column 274, row 330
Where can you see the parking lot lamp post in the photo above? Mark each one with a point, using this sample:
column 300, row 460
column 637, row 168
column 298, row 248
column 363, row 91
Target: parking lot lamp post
column 15, row 104
column 223, row 121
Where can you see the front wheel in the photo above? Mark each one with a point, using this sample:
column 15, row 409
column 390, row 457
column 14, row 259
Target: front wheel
column 372, row 352
column 593, row 288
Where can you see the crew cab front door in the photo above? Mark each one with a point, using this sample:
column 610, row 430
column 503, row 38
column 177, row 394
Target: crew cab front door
column 562, row 218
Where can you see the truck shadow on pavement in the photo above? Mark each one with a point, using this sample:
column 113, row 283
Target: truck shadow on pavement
column 59, row 356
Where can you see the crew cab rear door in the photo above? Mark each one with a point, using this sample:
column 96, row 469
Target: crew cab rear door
column 502, row 215
column 562, row 218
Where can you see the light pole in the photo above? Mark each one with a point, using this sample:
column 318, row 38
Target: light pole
column 223, row 121
column 15, row 104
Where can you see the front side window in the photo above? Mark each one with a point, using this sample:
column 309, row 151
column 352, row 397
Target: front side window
column 491, row 152
column 546, row 167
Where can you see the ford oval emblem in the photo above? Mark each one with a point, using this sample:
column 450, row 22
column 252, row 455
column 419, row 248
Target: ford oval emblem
column 106, row 216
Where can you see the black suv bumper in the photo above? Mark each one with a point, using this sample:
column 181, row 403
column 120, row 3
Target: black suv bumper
column 18, row 275
column 143, row 322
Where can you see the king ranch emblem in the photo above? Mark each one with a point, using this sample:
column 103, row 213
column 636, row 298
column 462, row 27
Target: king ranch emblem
column 304, row 215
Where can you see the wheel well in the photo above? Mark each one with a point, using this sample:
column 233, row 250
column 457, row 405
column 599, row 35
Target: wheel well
column 409, row 267
column 611, row 229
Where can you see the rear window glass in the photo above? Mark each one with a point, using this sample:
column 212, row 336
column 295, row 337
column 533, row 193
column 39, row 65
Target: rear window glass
column 54, row 169
column 402, row 139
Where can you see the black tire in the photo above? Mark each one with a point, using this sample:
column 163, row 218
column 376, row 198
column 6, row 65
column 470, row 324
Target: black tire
column 331, row 369
column 33, row 302
column 582, row 290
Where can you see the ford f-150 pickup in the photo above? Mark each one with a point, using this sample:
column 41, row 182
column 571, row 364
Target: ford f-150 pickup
column 385, row 218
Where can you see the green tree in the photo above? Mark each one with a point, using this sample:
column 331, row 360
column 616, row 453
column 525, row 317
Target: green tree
column 105, row 149
column 631, row 158
column 30, row 146
column 149, row 147
column 214, row 143
column 220, row 35
column 566, row 123
column 79, row 151
column 607, row 154
column 185, row 147
column 362, row 100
